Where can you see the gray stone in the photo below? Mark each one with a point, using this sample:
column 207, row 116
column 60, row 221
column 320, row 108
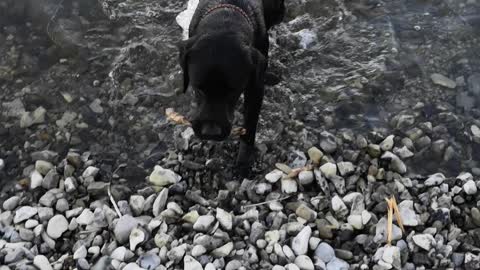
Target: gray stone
column 204, row 223
column 289, row 186
column 43, row 167
column 223, row 251
column 198, row 250
column 441, row 80
column 124, row 227
column 160, row 202
column 62, row 205
column 328, row 142
column 51, row 180
column 85, row 218
column 329, row 170
column 80, row 253
column 274, row 176
column 136, row 204
column 305, row 177
column 409, row 217
column 345, row 168
column 424, row 241
column 435, row 180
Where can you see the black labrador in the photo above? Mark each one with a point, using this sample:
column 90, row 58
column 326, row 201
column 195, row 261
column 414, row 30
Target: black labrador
column 226, row 55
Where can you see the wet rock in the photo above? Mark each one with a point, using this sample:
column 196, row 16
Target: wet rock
column 328, row 142
column 441, row 80
column 29, row 119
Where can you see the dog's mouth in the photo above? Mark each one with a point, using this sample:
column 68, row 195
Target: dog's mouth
column 210, row 130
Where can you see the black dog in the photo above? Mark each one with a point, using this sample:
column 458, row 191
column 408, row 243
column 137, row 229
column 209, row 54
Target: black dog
column 226, row 55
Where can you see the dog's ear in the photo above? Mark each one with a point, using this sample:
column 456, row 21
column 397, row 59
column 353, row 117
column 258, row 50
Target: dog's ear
column 184, row 47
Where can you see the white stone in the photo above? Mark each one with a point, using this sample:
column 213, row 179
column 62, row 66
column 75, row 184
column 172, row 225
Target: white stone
column 42, row 263
column 441, row 80
column 191, row 264
column 57, row 225
column 409, row 217
column 163, row 177
column 36, row 180
column 225, row 219
column 304, row 263
column 198, row 250
column 274, row 176
column 23, row 213
column 289, row 186
column 424, row 241
column 470, row 188
column 80, row 253
column 328, row 170
column 300, row 242
column 85, row 218
column 204, row 223
column 160, row 202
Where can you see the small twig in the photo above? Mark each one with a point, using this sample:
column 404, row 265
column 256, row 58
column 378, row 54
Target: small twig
column 389, row 221
column 113, row 202
column 266, row 202
column 397, row 214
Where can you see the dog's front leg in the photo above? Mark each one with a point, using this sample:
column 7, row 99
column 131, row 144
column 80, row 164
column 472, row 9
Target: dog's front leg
column 253, row 104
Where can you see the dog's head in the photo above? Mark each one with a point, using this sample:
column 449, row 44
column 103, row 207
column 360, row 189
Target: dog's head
column 217, row 68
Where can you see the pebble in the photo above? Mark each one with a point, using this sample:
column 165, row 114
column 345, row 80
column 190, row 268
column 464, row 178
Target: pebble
column 11, row 203
column 204, row 223
column 435, row 180
column 160, row 202
column 424, row 241
column 289, row 186
column 57, row 225
column 223, row 251
column 136, row 204
column 345, row 168
column 338, row 206
column 191, row 264
column 149, row 261
column 274, row 176
column 42, row 263
column 329, row 170
column 24, row 213
column 163, row 177
column 225, row 219
column 388, row 143
column 315, row 155
column 338, row 264
column 409, row 217
column 81, row 252
column 300, row 242
column 441, row 80
column 36, row 180
column 305, row 177
column 391, row 255
column 324, row 252
column 124, row 227
column 306, row 213
column 304, row 263
column 136, row 237
column 470, row 187
column 198, row 250
column 85, row 218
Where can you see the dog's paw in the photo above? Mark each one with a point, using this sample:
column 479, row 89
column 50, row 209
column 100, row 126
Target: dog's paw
column 245, row 158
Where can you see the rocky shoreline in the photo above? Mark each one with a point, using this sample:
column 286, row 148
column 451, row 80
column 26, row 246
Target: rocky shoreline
column 315, row 212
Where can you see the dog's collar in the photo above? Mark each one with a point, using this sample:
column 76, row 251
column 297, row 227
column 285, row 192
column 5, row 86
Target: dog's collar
column 227, row 6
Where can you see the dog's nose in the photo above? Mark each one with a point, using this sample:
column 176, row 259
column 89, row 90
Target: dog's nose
column 210, row 129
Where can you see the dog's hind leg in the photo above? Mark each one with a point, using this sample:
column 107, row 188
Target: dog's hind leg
column 273, row 12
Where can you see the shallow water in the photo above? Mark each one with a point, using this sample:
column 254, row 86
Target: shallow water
column 347, row 67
